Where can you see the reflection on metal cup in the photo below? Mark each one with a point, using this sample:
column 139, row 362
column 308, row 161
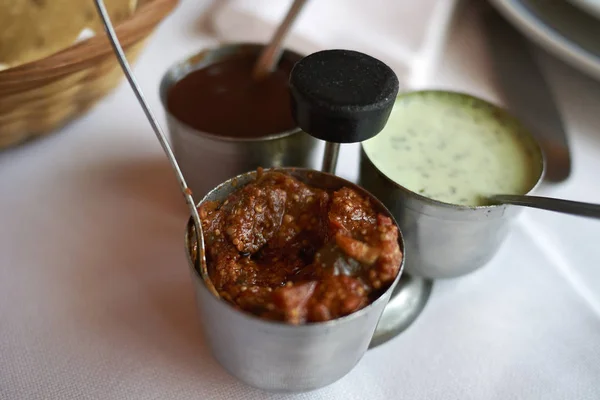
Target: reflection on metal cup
column 277, row 356
column 207, row 159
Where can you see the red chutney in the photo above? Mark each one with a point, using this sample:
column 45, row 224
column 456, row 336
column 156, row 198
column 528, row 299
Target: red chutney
column 285, row 251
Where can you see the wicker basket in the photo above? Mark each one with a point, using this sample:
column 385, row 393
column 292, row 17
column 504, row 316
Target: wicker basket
column 38, row 97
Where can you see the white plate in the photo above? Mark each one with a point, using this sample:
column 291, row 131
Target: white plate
column 591, row 6
column 559, row 27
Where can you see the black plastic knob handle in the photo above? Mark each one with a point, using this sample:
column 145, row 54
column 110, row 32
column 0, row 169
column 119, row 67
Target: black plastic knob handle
column 342, row 96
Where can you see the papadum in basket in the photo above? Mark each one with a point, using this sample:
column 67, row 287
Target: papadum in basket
column 41, row 96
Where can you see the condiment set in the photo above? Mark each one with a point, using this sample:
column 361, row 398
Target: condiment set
column 340, row 97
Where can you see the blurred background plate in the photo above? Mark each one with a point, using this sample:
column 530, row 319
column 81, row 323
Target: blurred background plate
column 561, row 28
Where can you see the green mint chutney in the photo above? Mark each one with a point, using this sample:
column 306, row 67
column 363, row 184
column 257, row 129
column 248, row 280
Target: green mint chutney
column 455, row 149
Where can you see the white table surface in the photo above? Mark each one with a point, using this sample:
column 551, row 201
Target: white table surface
column 96, row 300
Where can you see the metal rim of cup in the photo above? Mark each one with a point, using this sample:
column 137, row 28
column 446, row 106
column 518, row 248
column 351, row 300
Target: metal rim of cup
column 203, row 59
column 440, row 204
column 312, row 325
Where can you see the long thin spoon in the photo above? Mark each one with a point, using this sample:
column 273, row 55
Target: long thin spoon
column 546, row 203
column 271, row 54
column 187, row 194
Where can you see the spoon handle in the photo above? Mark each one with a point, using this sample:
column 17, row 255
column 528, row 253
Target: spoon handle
column 272, row 52
column 187, row 194
column 546, row 203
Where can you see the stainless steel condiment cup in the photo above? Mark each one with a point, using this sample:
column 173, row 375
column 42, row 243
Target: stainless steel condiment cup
column 446, row 240
column 207, row 159
column 277, row 356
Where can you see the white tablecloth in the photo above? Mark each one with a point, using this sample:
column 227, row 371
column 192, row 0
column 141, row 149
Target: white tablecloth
column 96, row 300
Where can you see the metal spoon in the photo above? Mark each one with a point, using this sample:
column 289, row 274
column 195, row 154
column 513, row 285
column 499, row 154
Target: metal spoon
column 547, row 203
column 270, row 55
column 187, row 193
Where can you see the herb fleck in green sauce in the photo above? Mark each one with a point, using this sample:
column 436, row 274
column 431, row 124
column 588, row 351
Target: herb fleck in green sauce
column 455, row 149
